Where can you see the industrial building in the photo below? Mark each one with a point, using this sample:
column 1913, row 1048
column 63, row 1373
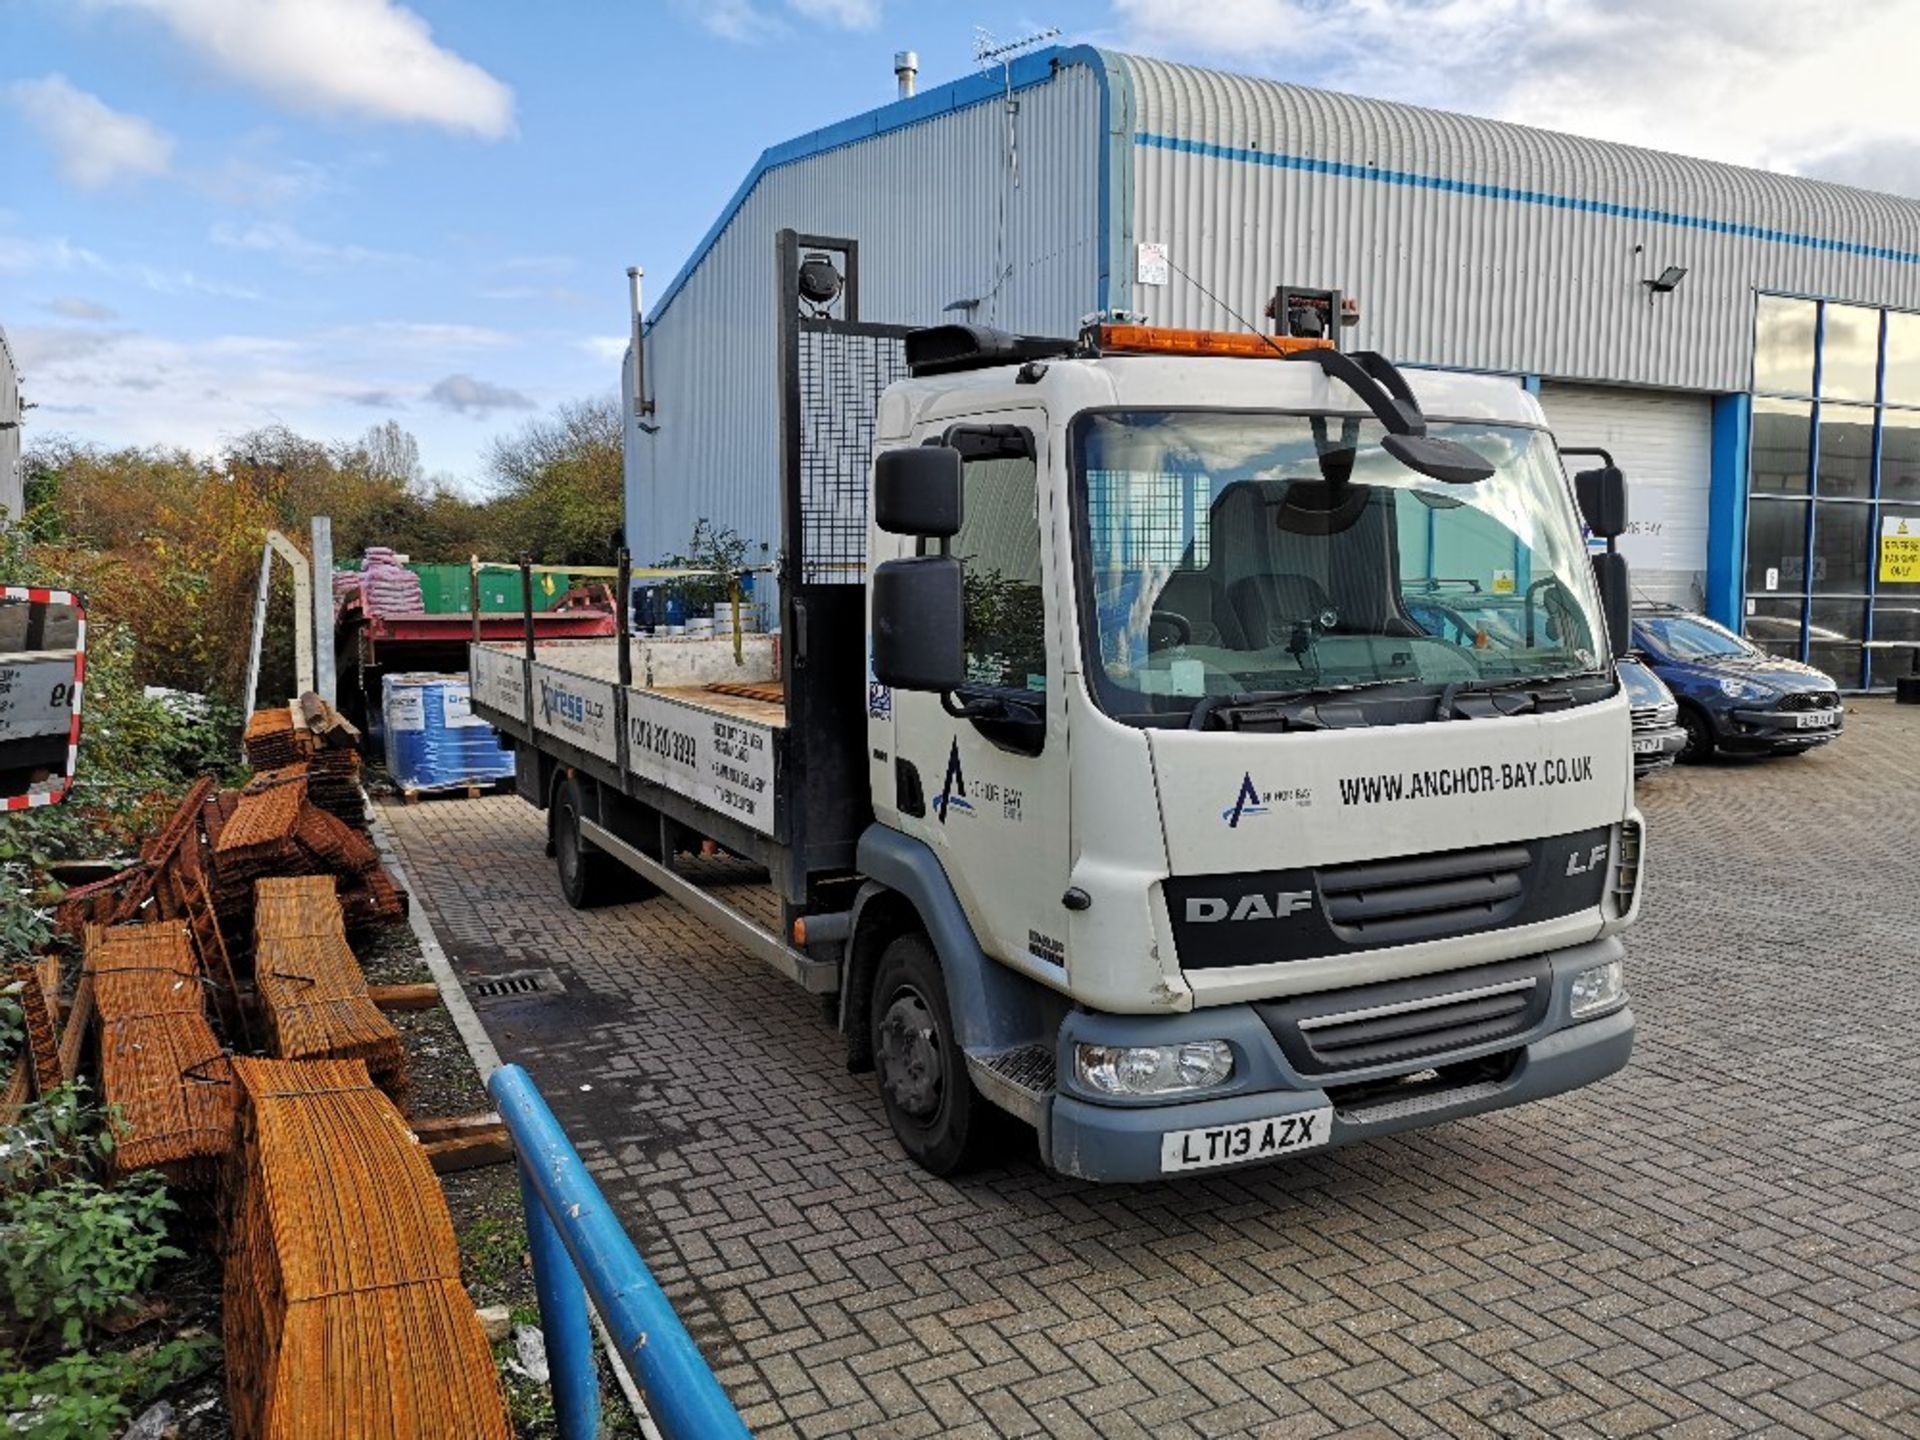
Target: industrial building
column 12, row 502
column 1746, row 344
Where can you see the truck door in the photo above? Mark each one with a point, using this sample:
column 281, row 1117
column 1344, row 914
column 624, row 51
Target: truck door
column 994, row 782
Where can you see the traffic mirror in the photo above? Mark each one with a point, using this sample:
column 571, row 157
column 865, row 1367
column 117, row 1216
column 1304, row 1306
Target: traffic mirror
column 43, row 659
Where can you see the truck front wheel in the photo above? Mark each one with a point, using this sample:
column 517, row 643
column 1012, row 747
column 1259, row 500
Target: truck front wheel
column 940, row 1119
column 586, row 874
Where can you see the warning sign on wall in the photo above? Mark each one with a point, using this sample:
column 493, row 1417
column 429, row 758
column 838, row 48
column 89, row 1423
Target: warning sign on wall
column 1899, row 550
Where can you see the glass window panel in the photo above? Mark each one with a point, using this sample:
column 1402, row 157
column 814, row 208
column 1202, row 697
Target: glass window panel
column 1846, row 450
column 1835, row 634
column 1842, row 547
column 1911, row 515
column 1850, row 354
column 1775, row 625
column 1899, row 455
column 1783, row 345
column 1782, row 447
column 1895, row 618
column 1776, row 546
column 1903, row 358
column 999, row 540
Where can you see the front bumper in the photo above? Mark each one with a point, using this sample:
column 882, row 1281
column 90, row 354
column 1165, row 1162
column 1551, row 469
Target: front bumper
column 1655, row 748
column 1121, row 1141
column 1776, row 730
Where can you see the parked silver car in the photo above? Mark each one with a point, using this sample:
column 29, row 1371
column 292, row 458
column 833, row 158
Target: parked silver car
column 1658, row 737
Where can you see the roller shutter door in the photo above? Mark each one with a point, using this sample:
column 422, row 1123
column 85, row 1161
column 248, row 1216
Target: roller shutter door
column 1663, row 441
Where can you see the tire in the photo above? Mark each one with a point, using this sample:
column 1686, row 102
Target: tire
column 939, row 1118
column 587, row 875
column 1699, row 746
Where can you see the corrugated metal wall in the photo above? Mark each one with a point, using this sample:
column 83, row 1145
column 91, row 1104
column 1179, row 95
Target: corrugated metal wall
column 1252, row 183
column 932, row 207
column 11, row 505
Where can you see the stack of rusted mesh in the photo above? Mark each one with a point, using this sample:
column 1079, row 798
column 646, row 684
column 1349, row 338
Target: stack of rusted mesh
column 165, row 883
column 344, row 1314
column 160, row 1064
column 282, row 737
column 274, row 829
column 313, row 996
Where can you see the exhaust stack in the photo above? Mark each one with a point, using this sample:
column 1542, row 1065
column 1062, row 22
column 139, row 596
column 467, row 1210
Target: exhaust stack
column 642, row 406
column 906, row 69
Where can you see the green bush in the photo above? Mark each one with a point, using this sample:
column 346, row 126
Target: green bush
column 75, row 1254
column 62, row 1133
column 85, row 1396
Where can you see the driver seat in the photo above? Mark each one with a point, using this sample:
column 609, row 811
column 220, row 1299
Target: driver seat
column 1269, row 606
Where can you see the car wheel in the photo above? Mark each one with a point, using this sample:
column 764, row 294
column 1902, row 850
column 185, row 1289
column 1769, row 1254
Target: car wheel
column 586, row 875
column 1699, row 744
column 937, row 1115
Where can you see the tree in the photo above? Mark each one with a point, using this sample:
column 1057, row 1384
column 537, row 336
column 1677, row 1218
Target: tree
column 390, row 453
column 560, row 486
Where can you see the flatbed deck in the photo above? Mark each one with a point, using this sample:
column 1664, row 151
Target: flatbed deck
column 720, row 748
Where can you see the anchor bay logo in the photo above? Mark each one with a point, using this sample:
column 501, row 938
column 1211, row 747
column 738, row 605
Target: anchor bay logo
column 953, row 794
column 1247, row 802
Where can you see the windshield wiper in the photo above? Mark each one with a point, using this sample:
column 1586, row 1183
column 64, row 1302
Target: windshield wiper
column 1319, row 708
column 1518, row 696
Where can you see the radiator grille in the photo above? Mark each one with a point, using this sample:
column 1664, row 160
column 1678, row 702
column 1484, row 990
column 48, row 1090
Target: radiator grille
column 1393, row 902
column 1401, row 1022
column 1811, row 700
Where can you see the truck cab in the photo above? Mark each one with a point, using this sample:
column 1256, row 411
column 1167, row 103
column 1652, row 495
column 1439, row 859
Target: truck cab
column 1221, row 835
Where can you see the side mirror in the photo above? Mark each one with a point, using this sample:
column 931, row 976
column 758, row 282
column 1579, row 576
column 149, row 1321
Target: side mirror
column 1603, row 500
column 43, row 643
column 1616, row 598
column 916, row 491
column 919, row 624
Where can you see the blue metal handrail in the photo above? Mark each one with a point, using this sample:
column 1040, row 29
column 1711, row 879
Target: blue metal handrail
column 574, row 1237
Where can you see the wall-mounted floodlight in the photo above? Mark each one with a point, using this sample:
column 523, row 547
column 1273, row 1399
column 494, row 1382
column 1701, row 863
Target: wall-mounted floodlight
column 1667, row 280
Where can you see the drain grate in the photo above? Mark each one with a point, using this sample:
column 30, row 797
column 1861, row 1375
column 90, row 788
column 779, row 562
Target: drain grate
column 523, row 982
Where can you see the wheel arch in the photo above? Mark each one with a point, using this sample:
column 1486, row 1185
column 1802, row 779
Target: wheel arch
column 993, row 1008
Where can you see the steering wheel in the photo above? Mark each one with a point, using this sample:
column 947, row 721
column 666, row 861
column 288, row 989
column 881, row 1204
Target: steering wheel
column 1162, row 621
column 1451, row 616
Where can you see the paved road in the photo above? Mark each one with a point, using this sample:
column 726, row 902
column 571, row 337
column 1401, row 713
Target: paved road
column 1723, row 1240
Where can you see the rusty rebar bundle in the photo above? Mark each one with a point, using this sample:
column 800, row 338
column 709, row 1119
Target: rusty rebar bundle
column 313, row 995
column 344, row 1313
column 160, row 1063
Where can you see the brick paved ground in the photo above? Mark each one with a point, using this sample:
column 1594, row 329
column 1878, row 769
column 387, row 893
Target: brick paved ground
column 1723, row 1240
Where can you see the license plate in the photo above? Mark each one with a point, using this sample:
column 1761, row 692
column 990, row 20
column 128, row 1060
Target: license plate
column 1252, row 1140
column 1646, row 744
column 1814, row 719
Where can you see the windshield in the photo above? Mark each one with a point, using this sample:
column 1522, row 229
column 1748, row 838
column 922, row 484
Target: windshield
column 1692, row 637
column 1234, row 553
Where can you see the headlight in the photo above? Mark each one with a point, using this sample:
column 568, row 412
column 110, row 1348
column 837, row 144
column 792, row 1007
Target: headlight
column 1743, row 690
column 1153, row 1069
column 1600, row 987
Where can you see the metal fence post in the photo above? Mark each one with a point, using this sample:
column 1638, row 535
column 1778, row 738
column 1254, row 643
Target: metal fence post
column 563, row 1320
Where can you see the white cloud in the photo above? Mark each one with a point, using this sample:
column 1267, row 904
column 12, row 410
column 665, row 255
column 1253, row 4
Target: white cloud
column 21, row 256
column 277, row 238
column 608, row 349
column 849, row 14
column 93, row 144
column 75, row 307
column 468, row 396
column 1782, row 87
column 429, row 336
column 373, row 59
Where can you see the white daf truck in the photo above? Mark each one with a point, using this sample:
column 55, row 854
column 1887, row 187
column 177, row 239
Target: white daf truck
column 1152, row 780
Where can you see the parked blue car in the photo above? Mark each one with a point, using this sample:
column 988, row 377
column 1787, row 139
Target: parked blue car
column 1734, row 697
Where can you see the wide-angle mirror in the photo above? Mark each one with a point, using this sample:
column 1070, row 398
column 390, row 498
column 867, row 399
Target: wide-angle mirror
column 43, row 646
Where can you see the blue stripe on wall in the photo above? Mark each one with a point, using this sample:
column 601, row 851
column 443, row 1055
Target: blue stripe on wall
column 1727, row 509
column 1483, row 191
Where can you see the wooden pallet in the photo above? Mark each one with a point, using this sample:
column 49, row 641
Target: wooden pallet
column 503, row 786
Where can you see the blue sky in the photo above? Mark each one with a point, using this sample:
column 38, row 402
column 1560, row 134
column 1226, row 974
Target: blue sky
column 218, row 214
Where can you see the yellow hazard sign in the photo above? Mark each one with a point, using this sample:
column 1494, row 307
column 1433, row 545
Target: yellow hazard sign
column 1900, row 550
